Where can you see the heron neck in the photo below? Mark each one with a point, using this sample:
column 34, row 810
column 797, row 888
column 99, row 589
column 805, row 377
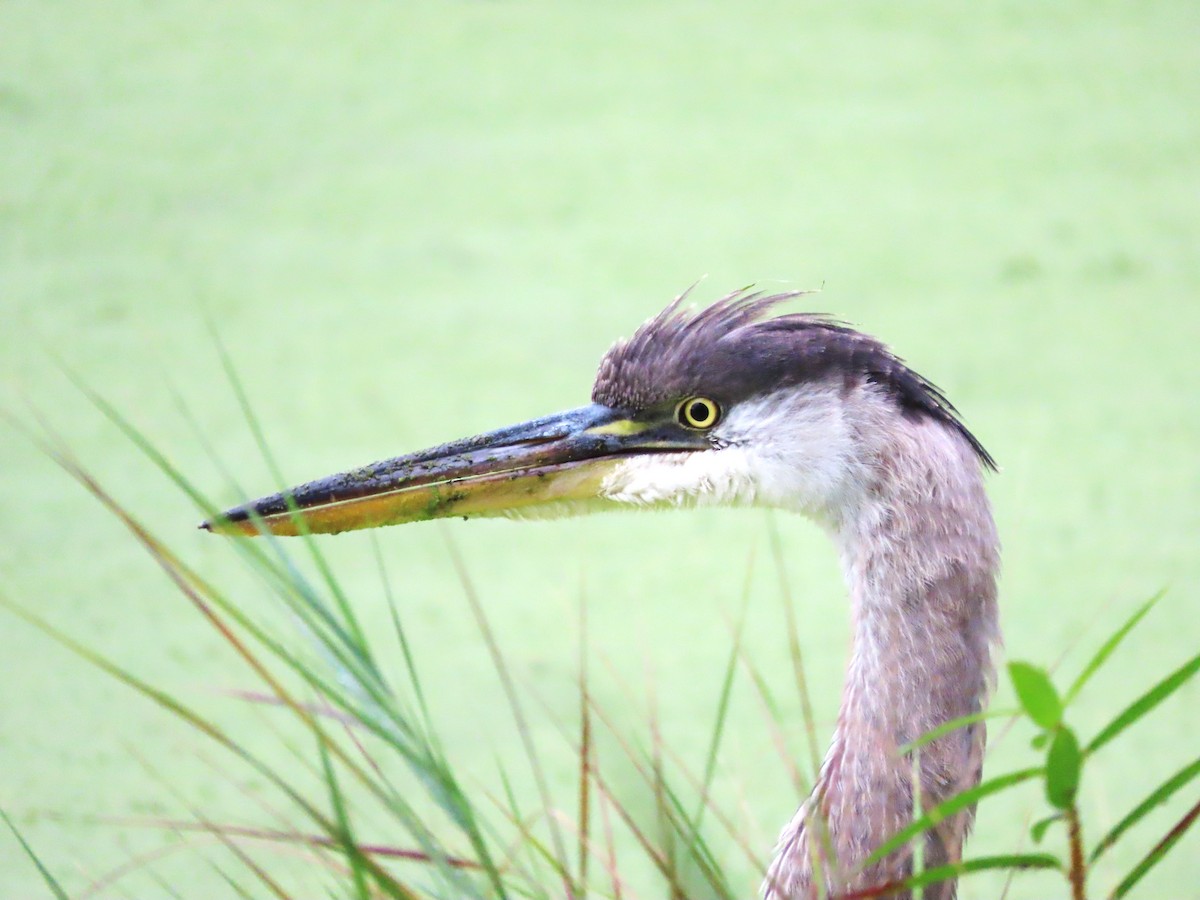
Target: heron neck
column 919, row 554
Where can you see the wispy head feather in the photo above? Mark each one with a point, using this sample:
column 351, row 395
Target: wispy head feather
column 734, row 350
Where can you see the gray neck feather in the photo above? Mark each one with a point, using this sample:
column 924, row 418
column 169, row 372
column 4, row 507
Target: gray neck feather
column 920, row 555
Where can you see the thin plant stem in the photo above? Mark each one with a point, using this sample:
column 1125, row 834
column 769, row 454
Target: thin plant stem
column 1078, row 870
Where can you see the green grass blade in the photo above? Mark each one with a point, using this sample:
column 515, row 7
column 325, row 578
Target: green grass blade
column 683, row 845
column 1012, row 862
column 234, row 886
column 258, row 871
column 1109, row 646
column 793, row 635
column 1155, row 798
column 1017, row 861
column 1146, row 703
column 511, row 808
column 638, row 756
column 436, row 777
column 206, row 727
column 609, row 860
column 727, row 681
column 585, row 751
column 243, row 399
column 1156, row 854
column 522, row 724
column 953, row 725
column 949, row 807
column 774, row 718
column 414, row 679
column 656, row 854
column 344, row 833
column 54, row 886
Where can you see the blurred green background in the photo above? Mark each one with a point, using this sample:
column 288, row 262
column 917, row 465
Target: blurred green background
column 412, row 222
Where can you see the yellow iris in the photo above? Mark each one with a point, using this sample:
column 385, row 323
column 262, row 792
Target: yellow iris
column 698, row 412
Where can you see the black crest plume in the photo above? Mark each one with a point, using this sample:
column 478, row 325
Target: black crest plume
column 733, row 350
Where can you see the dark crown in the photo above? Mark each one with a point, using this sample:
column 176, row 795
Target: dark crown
column 732, row 351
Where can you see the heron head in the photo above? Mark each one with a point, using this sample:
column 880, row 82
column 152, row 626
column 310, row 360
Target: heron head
column 723, row 406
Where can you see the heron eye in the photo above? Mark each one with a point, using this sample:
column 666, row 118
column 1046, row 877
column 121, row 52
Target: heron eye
column 698, row 412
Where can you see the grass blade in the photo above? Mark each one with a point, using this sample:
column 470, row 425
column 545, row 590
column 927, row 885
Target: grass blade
column 1146, row 703
column 1151, row 859
column 1012, row 861
column 953, row 725
column 54, row 886
column 714, row 744
column 585, row 750
column 423, row 759
column 1156, row 797
column 1009, row 862
column 206, row 727
column 1109, row 646
column 359, row 641
column 793, row 634
column 949, row 807
column 247, row 860
column 344, row 834
column 523, row 729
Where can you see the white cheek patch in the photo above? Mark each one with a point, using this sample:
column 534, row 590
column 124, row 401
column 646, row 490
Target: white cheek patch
column 805, row 447
column 794, row 450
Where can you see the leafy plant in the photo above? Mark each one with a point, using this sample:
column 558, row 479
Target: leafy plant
column 1062, row 772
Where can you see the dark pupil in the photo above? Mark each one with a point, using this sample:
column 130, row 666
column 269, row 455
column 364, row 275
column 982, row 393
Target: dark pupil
column 698, row 412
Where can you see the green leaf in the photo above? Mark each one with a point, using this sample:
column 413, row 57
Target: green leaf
column 1146, row 702
column 45, row 873
column 949, row 807
column 1109, row 646
column 1037, row 695
column 953, row 725
column 1011, row 861
column 1064, row 762
column 1038, row 831
column 1154, row 857
column 1156, row 797
column 343, row 835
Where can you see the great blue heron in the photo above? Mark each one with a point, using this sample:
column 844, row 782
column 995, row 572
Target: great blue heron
column 731, row 406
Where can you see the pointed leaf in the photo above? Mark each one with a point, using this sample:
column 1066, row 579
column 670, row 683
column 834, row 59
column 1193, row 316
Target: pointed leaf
column 1146, row 702
column 948, row 808
column 1109, row 646
column 1063, row 764
column 1037, row 695
column 1038, row 831
column 1012, row 861
column 953, row 725
column 1155, row 798
column 1154, row 857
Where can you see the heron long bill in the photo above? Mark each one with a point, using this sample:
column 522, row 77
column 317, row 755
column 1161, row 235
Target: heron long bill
column 558, row 459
